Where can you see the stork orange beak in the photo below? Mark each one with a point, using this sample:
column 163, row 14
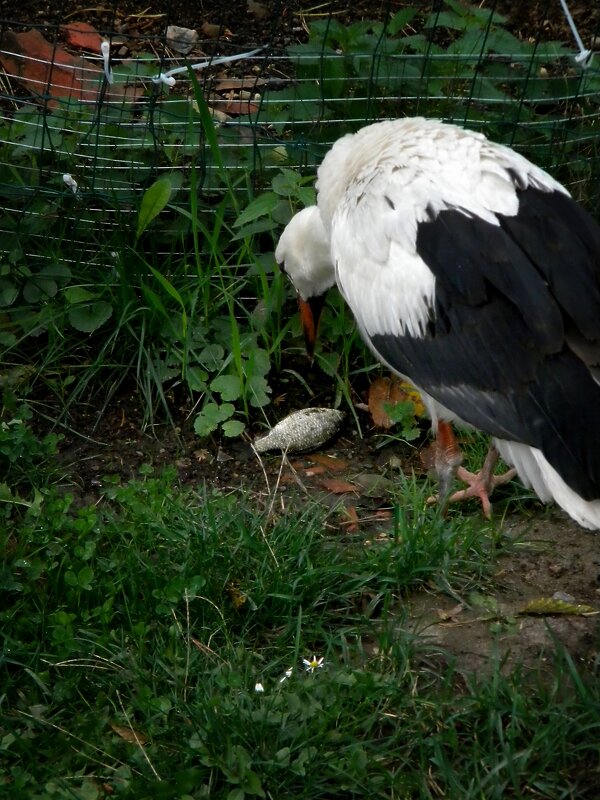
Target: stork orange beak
column 310, row 314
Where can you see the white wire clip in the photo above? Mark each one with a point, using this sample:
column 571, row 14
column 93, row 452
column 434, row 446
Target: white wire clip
column 168, row 79
column 164, row 77
column 584, row 57
column 105, row 48
column 71, row 183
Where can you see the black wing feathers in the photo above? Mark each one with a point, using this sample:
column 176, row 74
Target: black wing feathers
column 562, row 241
column 510, row 299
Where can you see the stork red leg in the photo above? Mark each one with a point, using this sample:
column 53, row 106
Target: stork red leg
column 446, row 462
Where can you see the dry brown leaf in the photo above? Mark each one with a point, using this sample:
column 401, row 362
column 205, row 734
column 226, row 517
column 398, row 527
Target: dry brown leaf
column 352, row 522
column 389, row 391
column 235, row 108
column 451, row 614
column 329, row 462
column 249, row 83
column 318, row 470
column 82, row 35
column 338, row 486
column 212, row 31
column 129, row 734
column 45, row 67
column 382, row 513
column 287, row 477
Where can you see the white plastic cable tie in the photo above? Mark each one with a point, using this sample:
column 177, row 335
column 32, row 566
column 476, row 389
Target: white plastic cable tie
column 584, row 57
column 71, row 183
column 164, row 77
column 168, row 79
column 105, row 48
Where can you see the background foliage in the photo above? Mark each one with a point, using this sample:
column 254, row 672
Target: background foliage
column 159, row 265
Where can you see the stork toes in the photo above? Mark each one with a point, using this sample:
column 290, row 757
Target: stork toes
column 479, row 484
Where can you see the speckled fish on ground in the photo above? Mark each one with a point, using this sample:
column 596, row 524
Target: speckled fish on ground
column 301, row 430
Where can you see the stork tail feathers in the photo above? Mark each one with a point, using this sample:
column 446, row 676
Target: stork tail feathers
column 538, row 474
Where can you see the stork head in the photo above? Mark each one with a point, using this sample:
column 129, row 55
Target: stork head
column 304, row 254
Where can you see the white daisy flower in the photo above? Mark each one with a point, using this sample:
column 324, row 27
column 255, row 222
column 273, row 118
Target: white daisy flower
column 313, row 664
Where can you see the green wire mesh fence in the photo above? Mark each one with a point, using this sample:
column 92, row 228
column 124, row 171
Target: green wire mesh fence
column 90, row 117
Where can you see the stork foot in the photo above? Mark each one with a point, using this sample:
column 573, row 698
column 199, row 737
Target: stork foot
column 445, row 460
column 481, row 484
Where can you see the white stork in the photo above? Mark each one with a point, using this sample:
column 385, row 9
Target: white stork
column 473, row 274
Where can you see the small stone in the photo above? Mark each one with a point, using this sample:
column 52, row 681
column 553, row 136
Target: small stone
column 182, row 40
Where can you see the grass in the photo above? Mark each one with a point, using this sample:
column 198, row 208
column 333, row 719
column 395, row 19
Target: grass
column 138, row 633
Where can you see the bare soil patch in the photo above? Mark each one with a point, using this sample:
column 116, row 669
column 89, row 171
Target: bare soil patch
column 550, row 554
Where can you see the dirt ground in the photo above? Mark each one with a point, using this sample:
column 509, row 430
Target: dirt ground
column 549, row 554
column 554, row 554
column 280, row 23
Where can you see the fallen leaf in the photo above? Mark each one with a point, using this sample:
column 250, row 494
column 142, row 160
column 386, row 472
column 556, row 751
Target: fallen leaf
column 82, row 35
column 337, row 486
column 382, row 513
column 352, row 521
column 329, row 462
column 212, row 31
column 249, row 83
column 129, row 734
column 44, row 68
column 235, row 108
column 311, row 471
column 374, row 485
column 451, row 614
column 390, row 391
column 550, row 605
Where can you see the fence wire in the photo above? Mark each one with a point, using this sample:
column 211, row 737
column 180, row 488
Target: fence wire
column 81, row 138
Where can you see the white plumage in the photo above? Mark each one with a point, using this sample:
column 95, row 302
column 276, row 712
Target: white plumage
column 472, row 273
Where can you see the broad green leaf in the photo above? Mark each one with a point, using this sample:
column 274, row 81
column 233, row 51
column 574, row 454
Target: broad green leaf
column 260, row 226
column 286, row 183
column 211, row 416
column 259, row 361
column 400, row 19
column 85, row 576
column 446, row 19
column 232, row 428
column 78, row 294
column 8, row 292
column 212, row 356
column 259, row 207
column 206, row 422
column 89, row 317
column 58, row 271
column 196, row 379
column 228, row 386
column 258, row 390
column 154, row 200
column 39, row 287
